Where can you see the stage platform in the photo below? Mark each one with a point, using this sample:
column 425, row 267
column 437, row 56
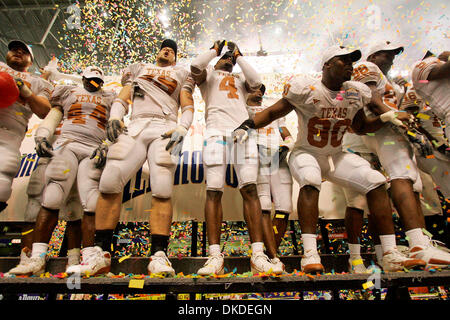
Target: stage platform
column 236, row 282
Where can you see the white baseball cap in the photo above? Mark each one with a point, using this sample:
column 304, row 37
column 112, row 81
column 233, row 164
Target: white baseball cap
column 18, row 43
column 384, row 46
column 337, row 50
column 93, row 72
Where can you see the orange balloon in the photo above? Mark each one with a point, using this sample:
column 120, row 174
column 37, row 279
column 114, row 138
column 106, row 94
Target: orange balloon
column 9, row 92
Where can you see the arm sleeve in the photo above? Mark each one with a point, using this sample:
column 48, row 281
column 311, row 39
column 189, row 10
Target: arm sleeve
column 202, row 60
column 251, row 76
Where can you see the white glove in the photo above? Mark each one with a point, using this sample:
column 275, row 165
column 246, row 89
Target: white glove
column 390, row 116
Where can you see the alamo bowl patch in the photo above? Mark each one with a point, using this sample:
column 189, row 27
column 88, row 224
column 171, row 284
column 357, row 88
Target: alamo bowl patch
column 352, row 94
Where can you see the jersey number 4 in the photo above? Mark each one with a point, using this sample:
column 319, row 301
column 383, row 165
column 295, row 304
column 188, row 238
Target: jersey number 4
column 319, row 132
column 228, row 84
column 77, row 116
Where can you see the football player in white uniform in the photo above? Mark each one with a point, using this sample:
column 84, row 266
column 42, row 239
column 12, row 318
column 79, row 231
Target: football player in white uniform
column 356, row 206
column 224, row 93
column 436, row 165
column 431, row 79
column 34, row 98
column 84, row 111
column 71, row 212
column 157, row 92
column 274, row 182
column 326, row 108
column 396, row 152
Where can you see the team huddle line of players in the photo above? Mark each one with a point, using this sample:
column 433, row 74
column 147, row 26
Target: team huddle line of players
column 348, row 116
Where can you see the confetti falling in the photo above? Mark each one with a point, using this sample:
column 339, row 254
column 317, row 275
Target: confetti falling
column 113, row 34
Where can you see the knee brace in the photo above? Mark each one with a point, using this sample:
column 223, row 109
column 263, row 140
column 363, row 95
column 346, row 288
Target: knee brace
column 305, row 170
column 111, row 180
column 53, row 196
column 91, row 201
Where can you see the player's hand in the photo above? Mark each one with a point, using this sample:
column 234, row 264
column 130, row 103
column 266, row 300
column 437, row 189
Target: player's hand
column 175, row 143
column 25, row 91
column 99, row 155
column 235, row 50
column 43, row 148
column 218, row 46
column 240, row 134
column 113, row 129
column 401, row 119
column 420, row 143
column 286, row 146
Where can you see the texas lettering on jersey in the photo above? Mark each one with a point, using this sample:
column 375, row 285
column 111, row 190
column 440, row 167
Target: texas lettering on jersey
column 161, row 78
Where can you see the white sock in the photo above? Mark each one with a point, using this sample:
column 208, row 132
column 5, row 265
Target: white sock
column 214, row 249
column 416, row 237
column 355, row 249
column 257, row 247
column 309, row 242
column 388, row 242
column 379, row 253
column 39, row 250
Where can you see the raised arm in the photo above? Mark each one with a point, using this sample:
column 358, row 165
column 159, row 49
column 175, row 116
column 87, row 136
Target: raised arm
column 252, row 78
column 199, row 64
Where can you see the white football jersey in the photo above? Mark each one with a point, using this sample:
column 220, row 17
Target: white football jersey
column 16, row 116
column 390, row 93
column 270, row 135
column 324, row 115
column 436, row 93
column 162, row 86
column 85, row 113
column 225, row 95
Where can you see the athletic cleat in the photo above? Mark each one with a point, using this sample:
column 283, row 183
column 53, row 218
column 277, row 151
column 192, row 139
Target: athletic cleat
column 356, row 265
column 279, row 266
column 94, row 261
column 214, row 265
column 260, row 263
column 160, row 265
column 29, row 267
column 25, row 255
column 311, row 262
column 434, row 254
column 394, row 260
